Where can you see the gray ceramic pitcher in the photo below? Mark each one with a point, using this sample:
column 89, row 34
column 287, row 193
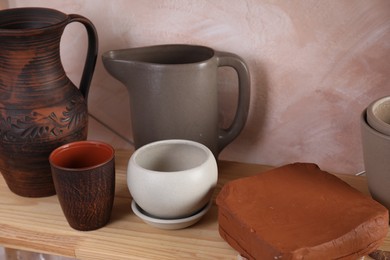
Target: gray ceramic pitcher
column 173, row 92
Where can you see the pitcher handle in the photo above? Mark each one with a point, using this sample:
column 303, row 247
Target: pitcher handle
column 237, row 63
column 90, row 60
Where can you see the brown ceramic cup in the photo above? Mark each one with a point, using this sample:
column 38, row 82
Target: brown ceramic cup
column 84, row 179
column 376, row 155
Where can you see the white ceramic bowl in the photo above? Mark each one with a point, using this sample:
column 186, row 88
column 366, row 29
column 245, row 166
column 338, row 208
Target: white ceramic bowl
column 172, row 179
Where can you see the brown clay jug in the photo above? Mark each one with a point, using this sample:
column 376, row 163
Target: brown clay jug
column 40, row 108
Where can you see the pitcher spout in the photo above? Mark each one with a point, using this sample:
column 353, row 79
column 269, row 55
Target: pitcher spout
column 118, row 63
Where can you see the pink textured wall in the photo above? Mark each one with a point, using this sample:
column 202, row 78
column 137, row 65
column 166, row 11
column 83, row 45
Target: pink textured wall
column 315, row 65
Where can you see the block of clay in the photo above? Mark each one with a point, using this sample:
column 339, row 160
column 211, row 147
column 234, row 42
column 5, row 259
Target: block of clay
column 298, row 211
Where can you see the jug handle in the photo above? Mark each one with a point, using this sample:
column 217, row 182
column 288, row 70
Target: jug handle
column 90, row 61
column 237, row 63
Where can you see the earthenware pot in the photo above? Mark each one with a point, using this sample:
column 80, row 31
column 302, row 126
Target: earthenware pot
column 40, row 108
column 84, row 178
column 174, row 92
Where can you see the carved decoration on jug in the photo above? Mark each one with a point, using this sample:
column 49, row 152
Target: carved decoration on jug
column 43, row 123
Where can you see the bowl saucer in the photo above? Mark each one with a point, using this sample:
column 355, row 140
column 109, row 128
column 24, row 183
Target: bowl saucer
column 169, row 223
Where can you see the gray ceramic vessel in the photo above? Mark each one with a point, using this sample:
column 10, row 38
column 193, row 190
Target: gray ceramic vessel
column 376, row 153
column 174, row 95
column 378, row 115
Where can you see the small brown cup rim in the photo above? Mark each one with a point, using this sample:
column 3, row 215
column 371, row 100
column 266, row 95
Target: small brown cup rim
column 71, row 145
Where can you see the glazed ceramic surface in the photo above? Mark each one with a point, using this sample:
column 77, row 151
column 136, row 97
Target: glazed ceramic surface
column 84, row 178
column 376, row 154
column 172, row 178
column 174, row 95
column 378, row 115
column 41, row 108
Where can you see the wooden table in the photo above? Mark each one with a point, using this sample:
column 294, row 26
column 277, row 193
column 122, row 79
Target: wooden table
column 38, row 224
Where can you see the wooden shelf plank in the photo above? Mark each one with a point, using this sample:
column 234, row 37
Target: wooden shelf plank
column 38, row 224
